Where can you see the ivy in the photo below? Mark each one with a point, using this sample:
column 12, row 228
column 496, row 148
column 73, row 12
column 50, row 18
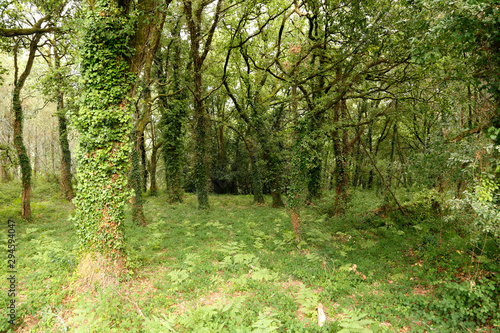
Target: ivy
column 104, row 123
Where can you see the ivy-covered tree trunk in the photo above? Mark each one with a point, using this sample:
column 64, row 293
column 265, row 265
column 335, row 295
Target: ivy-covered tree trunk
column 66, row 175
column 201, row 119
column 172, row 121
column 104, row 123
column 201, row 142
column 340, row 149
column 22, row 154
column 142, row 147
column 153, row 168
column 298, row 184
column 146, row 41
column 136, row 180
column 257, row 188
column 174, row 115
column 315, row 161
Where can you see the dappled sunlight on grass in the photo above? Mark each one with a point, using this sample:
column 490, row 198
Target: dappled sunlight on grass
column 237, row 266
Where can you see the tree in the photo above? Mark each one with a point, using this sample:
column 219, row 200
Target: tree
column 104, row 123
column 19, row 81
column 174, row 110
column 146, row 41
column 54, row 86
column 34, row 34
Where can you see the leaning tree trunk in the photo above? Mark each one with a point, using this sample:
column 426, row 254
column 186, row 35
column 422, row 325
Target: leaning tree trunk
column 22, row 154
column 136, row 180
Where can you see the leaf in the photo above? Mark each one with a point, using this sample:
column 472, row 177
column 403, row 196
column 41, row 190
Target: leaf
column 178, row 275
column 263, row 274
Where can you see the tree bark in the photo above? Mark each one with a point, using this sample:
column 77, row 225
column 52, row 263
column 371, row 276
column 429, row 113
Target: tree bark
column 173, row 117
column 66, row 175
column 142, row 147
column 154, row 163
column 136, row 183
column 145, row 42
column 340, row 148
column 201, row 119
column 22, row 154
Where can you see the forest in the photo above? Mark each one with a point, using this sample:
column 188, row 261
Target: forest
column 250, row 166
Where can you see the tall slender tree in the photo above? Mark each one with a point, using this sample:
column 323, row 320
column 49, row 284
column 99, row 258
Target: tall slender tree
column 195, row 22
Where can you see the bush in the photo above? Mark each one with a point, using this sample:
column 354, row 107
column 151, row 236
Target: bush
column 467, row 304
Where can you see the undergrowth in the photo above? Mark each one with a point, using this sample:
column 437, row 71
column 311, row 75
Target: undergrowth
column 238, row 268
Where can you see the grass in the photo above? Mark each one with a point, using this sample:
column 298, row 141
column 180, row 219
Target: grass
column 238, row 268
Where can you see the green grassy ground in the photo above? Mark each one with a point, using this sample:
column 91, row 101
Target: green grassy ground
column 238, row 268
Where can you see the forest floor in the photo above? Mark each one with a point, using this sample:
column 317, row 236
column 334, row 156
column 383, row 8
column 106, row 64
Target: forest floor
column 238, row 268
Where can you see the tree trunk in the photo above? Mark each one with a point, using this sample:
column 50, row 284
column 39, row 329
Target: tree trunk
column 340, row 148
column 201, row 119
column 369, row 183
column 257, row 188
column 201, row 141
column 297, row 180
column 105, row 124
column 393, row 146
column 142, row 147
column 154, row 163
column 314, row 171
column 173, row 117
column 24, row 160
column 136, row 182
column 66, row 176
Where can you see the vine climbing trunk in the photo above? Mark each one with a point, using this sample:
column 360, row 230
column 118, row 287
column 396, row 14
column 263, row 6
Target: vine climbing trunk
column 154, row 163
column 22, row 154
column 142, row 146
column 257, row 188
column 201, row 120
column 104, row 123
column 146, row 41
column 173, row 117
column 66, row 176
column 340, row 149
column 298, row 172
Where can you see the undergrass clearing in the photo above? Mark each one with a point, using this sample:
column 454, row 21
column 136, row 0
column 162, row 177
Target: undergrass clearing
column 238, row 268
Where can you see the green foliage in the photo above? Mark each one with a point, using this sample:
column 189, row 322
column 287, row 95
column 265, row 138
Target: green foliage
column 45, row 253
column 478, row 211
column 484, row 204
column 238, row 267
column 104, row 123
column 355, row 322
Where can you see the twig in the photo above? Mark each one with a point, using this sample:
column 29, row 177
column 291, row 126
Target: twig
column 59, row 318
column 137, row 306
